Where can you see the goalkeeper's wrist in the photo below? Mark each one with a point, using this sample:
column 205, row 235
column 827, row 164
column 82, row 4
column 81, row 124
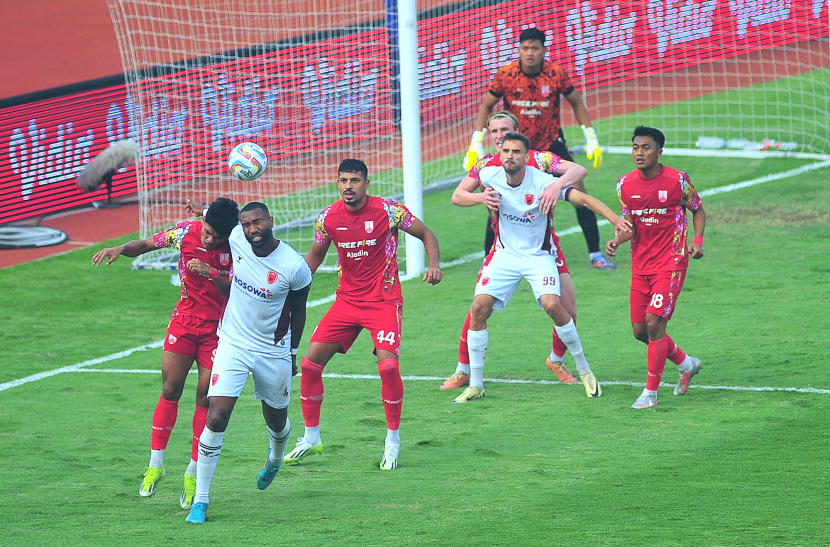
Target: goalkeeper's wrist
column 698, row 240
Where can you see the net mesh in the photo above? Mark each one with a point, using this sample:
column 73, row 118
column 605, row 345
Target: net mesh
column 315, row 82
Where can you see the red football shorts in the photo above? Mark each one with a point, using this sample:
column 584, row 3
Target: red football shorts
column 194, row 336
column 656, row 294
column 344, row 321
column 561, row 264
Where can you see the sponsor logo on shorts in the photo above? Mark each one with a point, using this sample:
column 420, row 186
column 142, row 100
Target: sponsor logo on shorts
column 272, row 277
column 662, row 195
column 172, row 339
column 529, row 199
column 214, row 379
column 369, row 225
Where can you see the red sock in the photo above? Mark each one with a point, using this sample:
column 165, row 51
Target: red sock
column 164, row 418
column 657, row 350
column 311, row 392
column 199, row 419
column 463, row 354
column 675, row 355
column 391, row 390
column 559, row 347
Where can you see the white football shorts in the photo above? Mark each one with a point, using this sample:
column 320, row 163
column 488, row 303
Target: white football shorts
column 272, row 374
column 501, row 275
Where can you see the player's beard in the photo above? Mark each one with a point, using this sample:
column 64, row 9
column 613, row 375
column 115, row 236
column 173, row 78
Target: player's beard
column 267, row 236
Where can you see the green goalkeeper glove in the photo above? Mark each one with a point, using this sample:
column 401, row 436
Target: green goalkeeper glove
column 592, row 149
column 475, row 151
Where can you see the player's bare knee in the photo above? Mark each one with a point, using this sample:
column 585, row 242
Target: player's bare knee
column 640, row 332
column 172, row 391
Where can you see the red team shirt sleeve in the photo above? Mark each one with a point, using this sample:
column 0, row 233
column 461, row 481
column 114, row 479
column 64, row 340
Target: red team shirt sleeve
column 172, row 237
column 320, row 233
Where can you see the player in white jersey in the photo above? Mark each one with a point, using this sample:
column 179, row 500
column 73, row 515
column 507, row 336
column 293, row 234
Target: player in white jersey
column 524, row 249
column 259, row 333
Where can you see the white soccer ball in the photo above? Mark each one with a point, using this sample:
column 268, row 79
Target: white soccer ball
column 247, row 161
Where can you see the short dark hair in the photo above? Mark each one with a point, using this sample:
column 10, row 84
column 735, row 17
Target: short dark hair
column 516, row 136
column 532, row 33
column 352, row 165
column 656, row 134
column 256, row 205
column 223, row 215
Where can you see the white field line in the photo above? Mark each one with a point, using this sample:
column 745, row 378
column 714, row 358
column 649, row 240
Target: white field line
column 497, row 381
column 467, row 258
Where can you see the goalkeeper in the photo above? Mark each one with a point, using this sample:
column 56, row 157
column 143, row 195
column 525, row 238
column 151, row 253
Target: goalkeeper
column 530, row 88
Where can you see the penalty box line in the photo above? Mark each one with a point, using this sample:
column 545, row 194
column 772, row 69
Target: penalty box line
column 463, row 260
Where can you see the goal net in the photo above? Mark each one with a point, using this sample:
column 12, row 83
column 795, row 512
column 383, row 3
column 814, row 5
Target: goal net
column 315, row 82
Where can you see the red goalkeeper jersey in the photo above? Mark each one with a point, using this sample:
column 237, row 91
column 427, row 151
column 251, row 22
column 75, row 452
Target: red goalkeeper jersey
column 367, row 247
column 658, row 206
column 200, row 297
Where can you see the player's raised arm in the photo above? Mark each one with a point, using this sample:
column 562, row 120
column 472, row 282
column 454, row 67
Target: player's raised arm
column 465, row 194
column 570, row 173
column 206, row 270
column 433, row 275
column 476, row 148
column 130, row 249
column 584, row 200
column 695, row 248
column 592, row 149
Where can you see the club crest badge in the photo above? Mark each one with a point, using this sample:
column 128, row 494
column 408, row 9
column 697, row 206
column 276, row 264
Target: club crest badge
column 272, row 277
column 369, row 225
column 214, row 379
column 662, row 195
column 484, row 281
column 529, row 199
column 545, row 90
column 172, row 339
column 224, row 258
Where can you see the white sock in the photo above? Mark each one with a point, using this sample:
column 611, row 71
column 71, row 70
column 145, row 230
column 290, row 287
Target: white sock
column 312, row 434
column 191, row 468
column 393, row 436
column 156, row 458
column 556, row 358
column 686, row 365
column 567, row 333
column 477, row 348
column 595, row 255
column 650, row 393
column 463, row 369
column 210, row 448
column 278, row 441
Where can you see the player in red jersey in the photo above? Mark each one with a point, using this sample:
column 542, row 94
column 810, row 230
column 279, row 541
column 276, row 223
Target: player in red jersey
column 530, row 88
column 499, row 124
column 204, row 270
column 654, row 198
column 365, row 230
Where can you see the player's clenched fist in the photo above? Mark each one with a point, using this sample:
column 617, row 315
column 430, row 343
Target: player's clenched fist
column 475, row 151
column 592, row 149
column 433, row 276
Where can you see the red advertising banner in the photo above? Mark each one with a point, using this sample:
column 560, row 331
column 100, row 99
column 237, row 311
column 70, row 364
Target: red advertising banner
column 305, row 97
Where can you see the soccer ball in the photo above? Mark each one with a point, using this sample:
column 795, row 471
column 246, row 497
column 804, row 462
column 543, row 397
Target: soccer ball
column 247, row 161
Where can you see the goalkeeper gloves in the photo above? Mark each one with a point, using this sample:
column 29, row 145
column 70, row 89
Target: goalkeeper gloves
column 475, row 151
column 592, row 149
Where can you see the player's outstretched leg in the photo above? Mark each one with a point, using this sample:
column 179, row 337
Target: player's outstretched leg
column 461, row 376
column 556, row 361
column 477, row 344
column 570, row 337
column 276, row 451
column 687, row 375
column 197, row 513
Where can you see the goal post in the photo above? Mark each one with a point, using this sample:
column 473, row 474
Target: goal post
column 315, row 82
